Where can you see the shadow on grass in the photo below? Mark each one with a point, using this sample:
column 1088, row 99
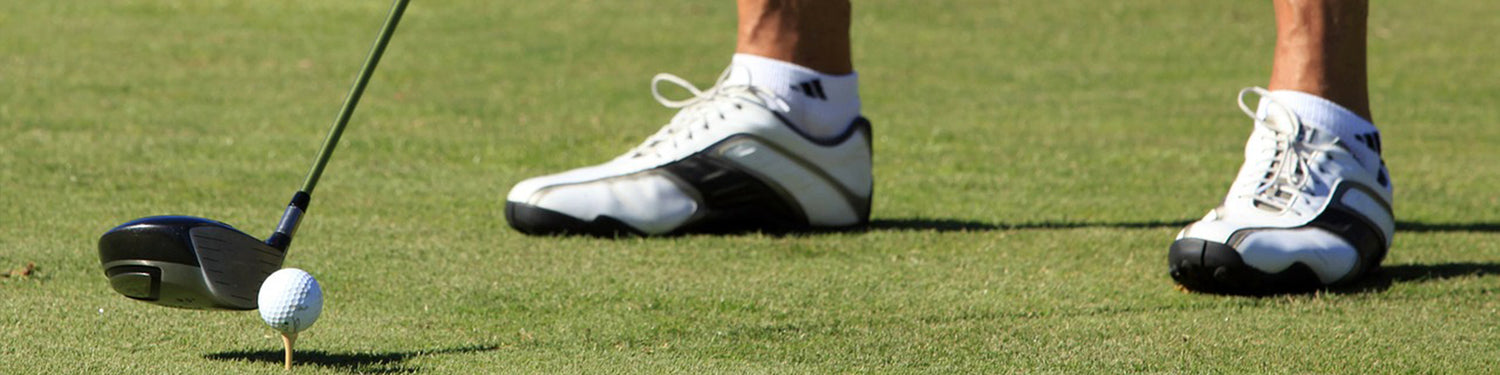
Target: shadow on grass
column 952, row 225
column 1414, row 226
column 361, row 363
column 1417, row 273
column 1429, row 272
column 730, row 228
column 955, row 225
column 1387, row 276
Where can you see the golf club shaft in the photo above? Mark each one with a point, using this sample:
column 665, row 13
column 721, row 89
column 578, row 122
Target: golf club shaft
column 354, row 94
column 293, row 215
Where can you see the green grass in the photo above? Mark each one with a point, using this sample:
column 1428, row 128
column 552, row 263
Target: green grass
column 1034, row 159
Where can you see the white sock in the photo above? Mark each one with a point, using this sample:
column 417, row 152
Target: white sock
column 1324, row 114
column 822, row 105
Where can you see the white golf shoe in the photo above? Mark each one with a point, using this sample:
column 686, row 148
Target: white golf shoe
column 1308, row 207
column 728, row 161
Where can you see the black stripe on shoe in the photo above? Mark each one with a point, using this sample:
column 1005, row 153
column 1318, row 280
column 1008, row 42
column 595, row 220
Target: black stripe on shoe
column 734, row 200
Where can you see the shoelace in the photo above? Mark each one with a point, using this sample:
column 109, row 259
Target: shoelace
column 1287, row 178
column 697, row 110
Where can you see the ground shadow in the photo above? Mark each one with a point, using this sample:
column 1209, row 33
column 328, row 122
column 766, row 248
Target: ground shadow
column 361, row 363
column 1415, row 226
column 1390, row 275
column 1440, row 271
column 958, row 225
column 954, row 225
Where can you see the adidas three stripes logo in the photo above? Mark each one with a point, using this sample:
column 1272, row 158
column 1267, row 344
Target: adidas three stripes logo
column 1370, row 139
column 813, row 88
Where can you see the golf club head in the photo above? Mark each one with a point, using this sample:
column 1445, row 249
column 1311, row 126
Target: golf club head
column 187, row 262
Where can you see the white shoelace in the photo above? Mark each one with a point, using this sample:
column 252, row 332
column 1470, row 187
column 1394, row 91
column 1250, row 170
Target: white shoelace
column 696, row 111
column 1287, row 178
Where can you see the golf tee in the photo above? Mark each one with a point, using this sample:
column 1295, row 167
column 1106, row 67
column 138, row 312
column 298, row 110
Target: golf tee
column 287, row 340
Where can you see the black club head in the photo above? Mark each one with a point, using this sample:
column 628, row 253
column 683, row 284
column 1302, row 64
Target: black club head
column 187, row 262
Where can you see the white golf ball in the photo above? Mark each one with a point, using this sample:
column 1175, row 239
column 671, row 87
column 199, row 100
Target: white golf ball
column 290, row 300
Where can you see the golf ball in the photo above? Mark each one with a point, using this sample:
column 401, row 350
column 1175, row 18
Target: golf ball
column 290, row 300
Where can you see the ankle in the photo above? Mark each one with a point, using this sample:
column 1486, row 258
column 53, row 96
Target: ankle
column 821, row 105
column 1323, row 113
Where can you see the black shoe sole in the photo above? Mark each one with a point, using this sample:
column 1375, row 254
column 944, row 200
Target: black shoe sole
column 1212, row 267
column 535, row 220
column 539, row 221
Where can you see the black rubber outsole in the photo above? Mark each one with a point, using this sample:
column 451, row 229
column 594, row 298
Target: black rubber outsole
column 533, row 220
column 1213, row 267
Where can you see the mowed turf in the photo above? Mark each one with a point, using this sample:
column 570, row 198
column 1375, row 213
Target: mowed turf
column 1033, row 162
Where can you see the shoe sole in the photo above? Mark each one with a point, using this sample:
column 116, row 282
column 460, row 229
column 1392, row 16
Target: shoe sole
column 535, row 220
column 1213, row 267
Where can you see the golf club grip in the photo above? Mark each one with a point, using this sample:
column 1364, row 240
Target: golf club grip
column 354, row 94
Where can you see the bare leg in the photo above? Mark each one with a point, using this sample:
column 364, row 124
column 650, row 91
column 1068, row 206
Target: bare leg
column 810, row 33
column 1320, row 50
